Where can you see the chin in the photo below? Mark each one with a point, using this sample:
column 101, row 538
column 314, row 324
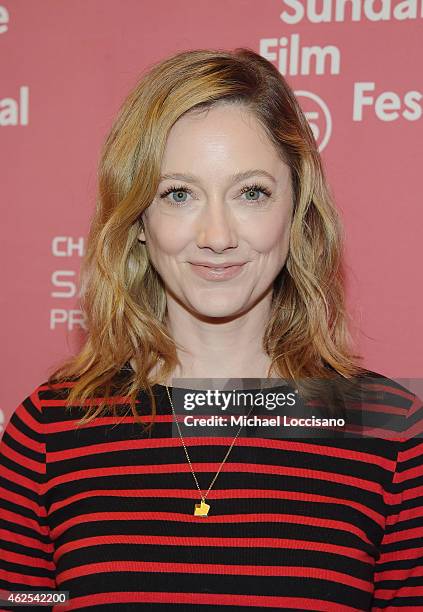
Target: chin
column 217, row 311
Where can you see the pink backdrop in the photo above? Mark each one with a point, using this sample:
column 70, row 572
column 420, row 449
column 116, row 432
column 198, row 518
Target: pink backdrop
column 66, row 67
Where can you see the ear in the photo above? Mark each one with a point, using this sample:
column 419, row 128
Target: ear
column 141, row 235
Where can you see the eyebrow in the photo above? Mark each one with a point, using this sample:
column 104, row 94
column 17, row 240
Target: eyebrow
column 238, row 176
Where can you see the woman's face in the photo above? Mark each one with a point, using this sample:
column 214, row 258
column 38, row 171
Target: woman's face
column 206, row 212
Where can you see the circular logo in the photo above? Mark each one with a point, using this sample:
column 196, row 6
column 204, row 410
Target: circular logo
column 318, row 116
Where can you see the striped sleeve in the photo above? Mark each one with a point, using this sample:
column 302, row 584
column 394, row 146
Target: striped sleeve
column 398, row 574
column 26, row 551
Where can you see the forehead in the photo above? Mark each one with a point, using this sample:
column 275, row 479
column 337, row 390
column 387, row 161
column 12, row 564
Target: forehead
column 226, row 131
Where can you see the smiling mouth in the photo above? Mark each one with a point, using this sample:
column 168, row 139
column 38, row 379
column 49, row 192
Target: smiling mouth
column 217, row 273
column 217, row 268
column 209, row 264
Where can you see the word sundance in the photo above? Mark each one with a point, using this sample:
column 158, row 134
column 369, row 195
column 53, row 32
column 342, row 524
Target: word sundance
column 325, row 11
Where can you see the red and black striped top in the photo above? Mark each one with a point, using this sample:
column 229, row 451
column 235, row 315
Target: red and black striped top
column 106, row 513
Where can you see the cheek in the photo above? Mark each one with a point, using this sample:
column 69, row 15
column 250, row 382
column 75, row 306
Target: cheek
column 168, row 236
column 271, row 234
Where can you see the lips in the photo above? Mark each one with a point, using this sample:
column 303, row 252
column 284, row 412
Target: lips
column 210, row 264
column 214, row 273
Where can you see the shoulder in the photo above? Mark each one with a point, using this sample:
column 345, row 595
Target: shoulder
column 392, row 389
column 30, row 412
column 395, row 400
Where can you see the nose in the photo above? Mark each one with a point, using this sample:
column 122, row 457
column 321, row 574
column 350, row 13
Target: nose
column 216, row 229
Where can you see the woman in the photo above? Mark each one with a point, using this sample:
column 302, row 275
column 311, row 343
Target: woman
column 215, row 252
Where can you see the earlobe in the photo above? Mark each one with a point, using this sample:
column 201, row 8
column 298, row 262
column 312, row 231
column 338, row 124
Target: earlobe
column 141, row 236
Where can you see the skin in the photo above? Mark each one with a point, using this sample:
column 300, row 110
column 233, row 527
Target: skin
column 219, row 326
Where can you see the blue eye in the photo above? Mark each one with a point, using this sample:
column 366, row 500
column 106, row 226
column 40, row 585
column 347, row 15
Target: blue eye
column 181, row 192
column 251, row 189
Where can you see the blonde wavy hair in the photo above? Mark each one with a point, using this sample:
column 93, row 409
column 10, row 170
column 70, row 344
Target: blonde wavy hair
column 123, row 297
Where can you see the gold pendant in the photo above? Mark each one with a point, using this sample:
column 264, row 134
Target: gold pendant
column 201, row 509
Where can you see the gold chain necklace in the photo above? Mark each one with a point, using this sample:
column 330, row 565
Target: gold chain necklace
column 202, row 508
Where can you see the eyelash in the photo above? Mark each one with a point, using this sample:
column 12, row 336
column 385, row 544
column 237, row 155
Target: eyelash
column 245, row 189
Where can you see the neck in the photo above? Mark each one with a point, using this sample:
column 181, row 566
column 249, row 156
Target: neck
column 230, row 347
